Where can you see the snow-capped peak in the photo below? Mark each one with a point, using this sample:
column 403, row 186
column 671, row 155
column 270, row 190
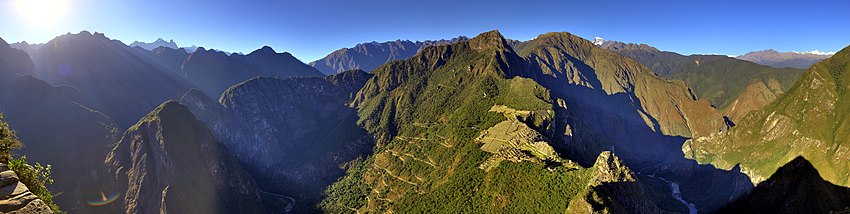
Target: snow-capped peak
column 816, row 52
column 598, row 40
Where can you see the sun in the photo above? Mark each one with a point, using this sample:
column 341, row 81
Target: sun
column 42, row 12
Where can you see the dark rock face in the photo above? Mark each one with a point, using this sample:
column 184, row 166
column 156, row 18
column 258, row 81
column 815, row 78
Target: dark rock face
column 15, row 197
column 293, row 134
column 170, row 162
column 796, row 187
column 368, row 56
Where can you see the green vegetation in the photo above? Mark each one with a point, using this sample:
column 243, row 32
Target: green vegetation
column 36, row 177
column 809, row 120
column 427, row 112
column 8, row 141
column 720, row 79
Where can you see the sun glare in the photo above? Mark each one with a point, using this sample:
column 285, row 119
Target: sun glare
column 42, row 12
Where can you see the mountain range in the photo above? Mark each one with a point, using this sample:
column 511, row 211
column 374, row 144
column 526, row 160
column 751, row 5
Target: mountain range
column 733, row 86
column 368, row 56
column 486, row 124
column 770, row 57
column 155, row 44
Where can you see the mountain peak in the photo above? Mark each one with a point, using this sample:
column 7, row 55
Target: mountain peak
column 170, row 108
column 487, row 40
column 265, row 50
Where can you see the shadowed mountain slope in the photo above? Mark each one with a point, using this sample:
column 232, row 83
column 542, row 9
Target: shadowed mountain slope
column 795, row 188
column 171, row 162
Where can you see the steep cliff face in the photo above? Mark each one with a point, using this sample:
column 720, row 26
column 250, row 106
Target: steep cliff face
column 368, row 56
column 15, row 197
column 796, row 187
column 169, row 162
column 809, row 120
column 293, row 134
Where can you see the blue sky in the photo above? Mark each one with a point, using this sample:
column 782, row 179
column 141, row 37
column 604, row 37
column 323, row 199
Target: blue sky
column 310, row 29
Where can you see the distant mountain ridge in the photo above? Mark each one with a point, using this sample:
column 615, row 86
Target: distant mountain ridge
column 214, row 71
column 773, row 58
column 159, row 42
column 734, row 86
column 368, row 56
column 110, row 76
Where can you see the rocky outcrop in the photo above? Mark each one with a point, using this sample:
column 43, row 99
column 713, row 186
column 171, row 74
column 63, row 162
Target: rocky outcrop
column 15, row 197
column 169, row 162
column 614, row 188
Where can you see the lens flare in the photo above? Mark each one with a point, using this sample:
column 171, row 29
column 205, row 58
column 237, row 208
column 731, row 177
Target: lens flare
column 104, row 200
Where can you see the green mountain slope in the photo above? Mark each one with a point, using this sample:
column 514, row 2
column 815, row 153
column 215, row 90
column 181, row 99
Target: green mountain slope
column 809, row 120
column 477, row 127
column 722, row 80
column 426, row 113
